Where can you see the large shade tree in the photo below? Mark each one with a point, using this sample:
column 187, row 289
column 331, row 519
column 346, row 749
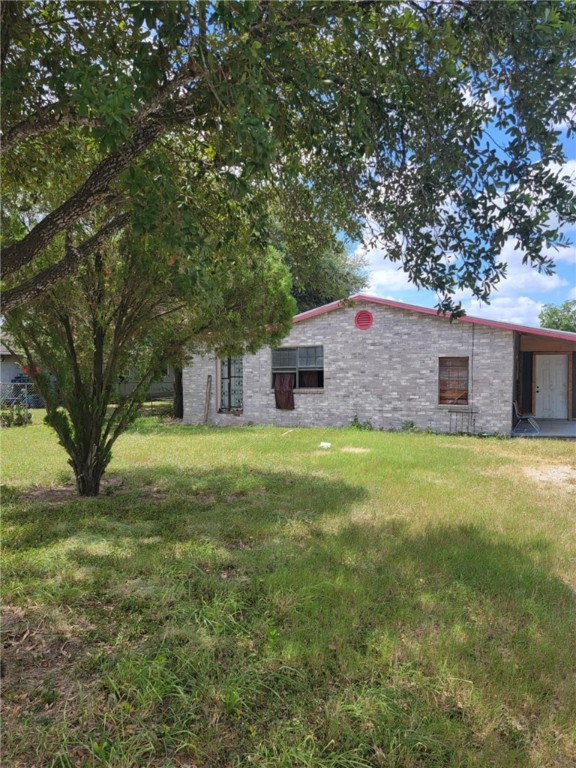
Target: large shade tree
column 428, row 125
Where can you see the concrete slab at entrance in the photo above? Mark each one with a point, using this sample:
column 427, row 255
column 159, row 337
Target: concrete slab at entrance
column 560, row 428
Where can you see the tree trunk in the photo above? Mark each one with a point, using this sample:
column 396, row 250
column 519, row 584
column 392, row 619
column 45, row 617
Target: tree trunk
column 88, row 481
column 88, row 471
column 178, row 394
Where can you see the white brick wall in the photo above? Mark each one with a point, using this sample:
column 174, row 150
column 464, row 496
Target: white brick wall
column 386, row 375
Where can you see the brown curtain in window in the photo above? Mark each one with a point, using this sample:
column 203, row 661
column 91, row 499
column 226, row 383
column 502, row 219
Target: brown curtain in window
column 310, row 379
column 284, row 391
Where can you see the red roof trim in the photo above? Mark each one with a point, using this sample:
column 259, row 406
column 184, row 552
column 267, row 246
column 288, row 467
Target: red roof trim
column 359, row 297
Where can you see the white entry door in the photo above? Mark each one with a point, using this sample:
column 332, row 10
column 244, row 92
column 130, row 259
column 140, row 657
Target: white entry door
column 551, row 386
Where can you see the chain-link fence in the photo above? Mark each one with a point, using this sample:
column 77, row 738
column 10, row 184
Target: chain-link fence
column 22, row 394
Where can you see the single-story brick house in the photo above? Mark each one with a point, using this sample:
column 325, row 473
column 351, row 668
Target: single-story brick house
column 388, row 363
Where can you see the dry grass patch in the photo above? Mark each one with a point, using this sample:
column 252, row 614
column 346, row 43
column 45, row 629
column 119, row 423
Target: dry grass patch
column 558, row 474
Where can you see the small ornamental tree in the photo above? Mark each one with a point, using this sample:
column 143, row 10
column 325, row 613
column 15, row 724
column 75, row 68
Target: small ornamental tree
column 561, row 318
column 130, row 309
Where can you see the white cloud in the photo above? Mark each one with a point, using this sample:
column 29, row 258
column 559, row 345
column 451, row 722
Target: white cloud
column 373, row 257
column 572, row 293
column 384, row 275
column 487, row 100
column 522, row 278
column 390, row 279
column 522, row 310
column 568, row 168
column 567, row 255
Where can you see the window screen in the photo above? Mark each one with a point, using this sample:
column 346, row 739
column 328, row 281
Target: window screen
column 310, row 357
column 453, row 381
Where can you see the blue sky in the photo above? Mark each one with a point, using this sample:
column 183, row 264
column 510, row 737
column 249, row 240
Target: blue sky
column 518, row 299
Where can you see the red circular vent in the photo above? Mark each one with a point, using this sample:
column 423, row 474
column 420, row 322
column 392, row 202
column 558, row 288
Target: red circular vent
column 363, row 320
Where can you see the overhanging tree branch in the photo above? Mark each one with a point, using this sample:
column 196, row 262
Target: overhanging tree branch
column 48, row 277
column 43, row 121
column 59, row 114
column 92, row 192
column 260, row 86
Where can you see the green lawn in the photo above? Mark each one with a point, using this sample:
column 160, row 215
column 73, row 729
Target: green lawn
column 242, row 597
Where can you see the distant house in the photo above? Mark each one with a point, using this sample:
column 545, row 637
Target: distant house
column 16, row 388
column 13, row 377
column 161, row 389
column 392, row 364
column 9, row 366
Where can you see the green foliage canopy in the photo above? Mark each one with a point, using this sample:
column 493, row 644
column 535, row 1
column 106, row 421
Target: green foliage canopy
column 432, row 123
column 561, row 318
column 321, row 266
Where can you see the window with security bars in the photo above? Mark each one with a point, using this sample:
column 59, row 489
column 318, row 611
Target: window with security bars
column 453, row 380
column 231, row 384
column 306, row 364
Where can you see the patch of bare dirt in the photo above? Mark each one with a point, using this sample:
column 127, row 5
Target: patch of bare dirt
column 241, row 544
column 205, row 498
column 229, row 571
column 559, row 474
column 155, row 494
column 57, row 496
column 235, row 496
column 64, row 494
column 352, row 449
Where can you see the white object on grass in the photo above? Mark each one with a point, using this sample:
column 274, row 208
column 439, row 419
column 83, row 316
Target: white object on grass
column 325, row 445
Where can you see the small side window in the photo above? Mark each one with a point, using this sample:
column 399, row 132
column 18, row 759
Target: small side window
column 231, row 384
column 453, row 381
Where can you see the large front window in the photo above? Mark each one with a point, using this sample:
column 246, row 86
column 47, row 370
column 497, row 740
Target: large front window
column 304, row 366
column 231, row 384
